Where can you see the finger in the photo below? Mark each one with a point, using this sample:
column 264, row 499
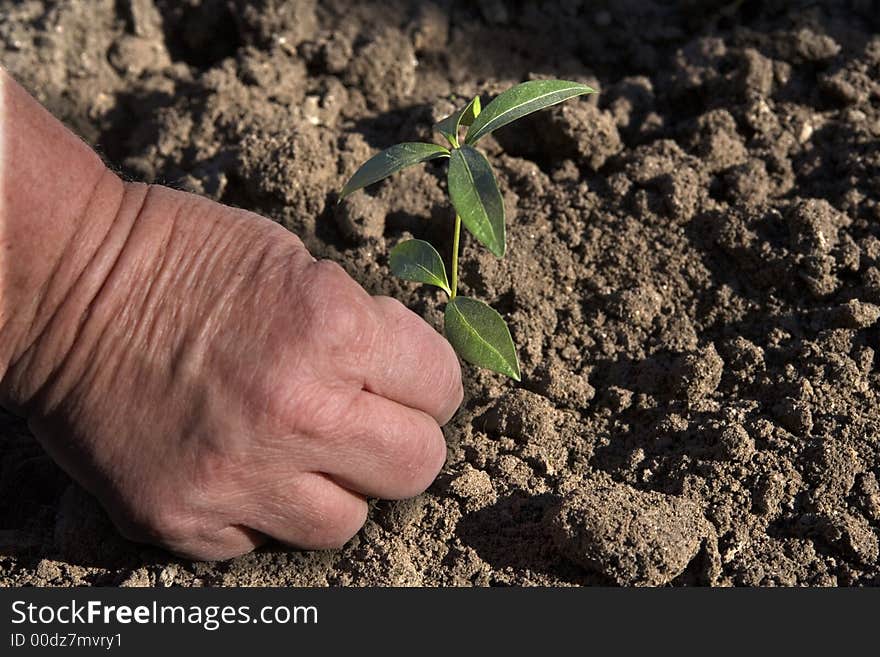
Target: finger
column 204, row 544
column 383, row 449
column 311, row 512
column 228, row 543
column 414, row 365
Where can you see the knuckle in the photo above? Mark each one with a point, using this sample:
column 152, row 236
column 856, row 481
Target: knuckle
column 401, row 320
column 396, row 309
column 168, row 524
column 328, row 273
column 158, row 523
column 337, row 310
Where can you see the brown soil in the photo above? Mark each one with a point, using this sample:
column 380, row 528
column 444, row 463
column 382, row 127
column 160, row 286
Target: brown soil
column 693, row 275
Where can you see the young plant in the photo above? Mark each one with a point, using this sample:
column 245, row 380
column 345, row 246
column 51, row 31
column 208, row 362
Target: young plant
column 477, row 332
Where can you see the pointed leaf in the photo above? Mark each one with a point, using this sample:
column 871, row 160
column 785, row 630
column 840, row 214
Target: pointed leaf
column 448, row 127
column 389, row 161
column 520, row 100
column 471, row 112
column 476, row 197
column 480, row 336
column 416, row 260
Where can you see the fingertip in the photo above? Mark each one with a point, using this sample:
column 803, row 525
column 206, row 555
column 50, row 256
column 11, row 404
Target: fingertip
column 453, row 389
column 345, row 527
column 417, row 465
column 392, row 451
column 312, row 512
column 419, row 368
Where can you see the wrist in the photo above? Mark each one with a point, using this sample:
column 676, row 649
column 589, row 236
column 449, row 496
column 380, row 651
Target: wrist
column 57, row 207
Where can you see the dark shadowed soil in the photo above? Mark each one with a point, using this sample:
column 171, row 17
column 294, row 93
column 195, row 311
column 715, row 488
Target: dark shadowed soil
column 693, row 275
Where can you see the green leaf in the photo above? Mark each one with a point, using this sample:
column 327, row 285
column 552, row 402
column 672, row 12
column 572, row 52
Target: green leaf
column 448, row 127
column 416, row 260
column 389, row 161
column 471, row 112
column 476, row 197
column 520, row 100
column 480, row 336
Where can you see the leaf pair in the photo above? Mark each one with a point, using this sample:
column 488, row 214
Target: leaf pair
column 450, row 126
column 477, row 332
column 508, row 106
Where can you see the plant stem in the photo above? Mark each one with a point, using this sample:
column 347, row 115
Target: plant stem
column 455, row 236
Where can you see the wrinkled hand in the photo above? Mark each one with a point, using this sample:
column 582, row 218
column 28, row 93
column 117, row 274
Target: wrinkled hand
column 224, row 387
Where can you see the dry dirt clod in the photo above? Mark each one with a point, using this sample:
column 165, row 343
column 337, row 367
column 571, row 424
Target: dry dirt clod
column 795, row 416
column 138, row 578
column 747, row 183
column 855, row 314
column 813, row 225
column 578, row 130
column 632, row 537
column 698, row 374
column 361, row 218
column 474, row 487
column 385, row 69
column 564, row 387
column 521, row 415
column 851, row 535
column 735, row 444
column 814, row 47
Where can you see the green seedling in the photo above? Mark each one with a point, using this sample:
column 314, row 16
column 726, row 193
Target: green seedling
column 477, row 332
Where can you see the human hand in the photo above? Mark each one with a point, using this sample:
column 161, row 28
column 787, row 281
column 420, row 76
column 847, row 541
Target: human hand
column 213, row 385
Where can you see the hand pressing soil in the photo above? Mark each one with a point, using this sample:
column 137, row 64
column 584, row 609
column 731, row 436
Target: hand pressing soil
column 193, row 366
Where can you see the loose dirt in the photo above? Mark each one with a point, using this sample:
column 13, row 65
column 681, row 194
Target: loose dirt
column 693, row 275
